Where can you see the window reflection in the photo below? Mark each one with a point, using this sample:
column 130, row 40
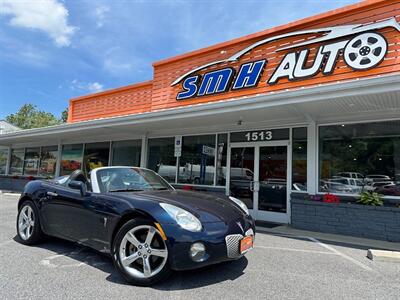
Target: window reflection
column 196, row 165
column 222, row 146
column 71, row 158
column 96, row 156
column 242, row 174
column 3, row 160
column 359, row 157
column 17, row 161
column 31, row 162
column 126, row 153
column 299, row 159
column 48, row 161
column 161, row 157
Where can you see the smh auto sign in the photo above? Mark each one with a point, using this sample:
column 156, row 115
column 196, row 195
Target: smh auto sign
column 361, row 47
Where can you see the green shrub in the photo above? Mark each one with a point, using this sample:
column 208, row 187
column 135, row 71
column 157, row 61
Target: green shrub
column 368, row 198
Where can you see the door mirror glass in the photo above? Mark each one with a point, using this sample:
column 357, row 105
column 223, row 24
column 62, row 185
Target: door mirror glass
column 78, row 185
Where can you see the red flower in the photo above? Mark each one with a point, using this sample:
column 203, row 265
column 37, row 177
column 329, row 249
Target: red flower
column 329, row 198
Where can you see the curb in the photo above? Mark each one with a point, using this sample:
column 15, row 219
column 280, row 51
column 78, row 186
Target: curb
column 381, row 255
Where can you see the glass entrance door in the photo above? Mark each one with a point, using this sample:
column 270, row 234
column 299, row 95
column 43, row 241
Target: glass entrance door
column 242, row 174
column 272, row 187
column 259, row 177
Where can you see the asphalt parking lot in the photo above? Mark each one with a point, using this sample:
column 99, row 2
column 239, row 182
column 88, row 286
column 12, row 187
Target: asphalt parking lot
column 282, row 266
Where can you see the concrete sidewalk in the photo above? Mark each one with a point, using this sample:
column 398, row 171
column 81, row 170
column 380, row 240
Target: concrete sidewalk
column 328, row 238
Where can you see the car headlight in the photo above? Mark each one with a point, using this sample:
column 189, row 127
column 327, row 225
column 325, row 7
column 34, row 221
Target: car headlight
column 241, row 204
column 184, row 218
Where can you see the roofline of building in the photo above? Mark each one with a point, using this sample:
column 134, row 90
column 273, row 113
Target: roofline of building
column 360, row 87
column 11, row 125
column 115, row 90
column 292, row 26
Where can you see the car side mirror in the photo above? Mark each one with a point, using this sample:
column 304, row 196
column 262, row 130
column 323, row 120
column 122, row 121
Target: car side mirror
column 78, row 185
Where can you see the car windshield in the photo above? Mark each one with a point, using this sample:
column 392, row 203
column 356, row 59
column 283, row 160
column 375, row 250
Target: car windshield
column 130, row 179
column 62, row 180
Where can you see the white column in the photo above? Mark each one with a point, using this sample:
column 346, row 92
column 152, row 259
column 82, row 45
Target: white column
column 312, row 158
column 58, row 163
column 143, row 152
column 228, row 165
column 8, row 161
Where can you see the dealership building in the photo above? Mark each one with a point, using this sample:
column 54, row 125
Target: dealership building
column 307, row 108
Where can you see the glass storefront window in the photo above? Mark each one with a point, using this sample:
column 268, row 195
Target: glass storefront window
column 360, row 157
column 196, row 165
column 71, row 158
column 96, row 156
column 48, row 161
column 31, row 162
column 17, row 161
column 222, row 146
column 126, row 153
column 3, row 160
column 299, row 159
column 161, row 157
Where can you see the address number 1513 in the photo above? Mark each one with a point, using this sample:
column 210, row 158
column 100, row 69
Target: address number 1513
column 258, row 136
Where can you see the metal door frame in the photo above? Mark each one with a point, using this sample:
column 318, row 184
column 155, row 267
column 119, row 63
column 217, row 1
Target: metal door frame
column 255, row 212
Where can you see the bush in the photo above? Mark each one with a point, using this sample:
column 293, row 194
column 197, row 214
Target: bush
column 368, row 198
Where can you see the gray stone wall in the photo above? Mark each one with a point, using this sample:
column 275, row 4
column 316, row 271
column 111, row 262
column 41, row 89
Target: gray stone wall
column 382, row 223
column 12, row 184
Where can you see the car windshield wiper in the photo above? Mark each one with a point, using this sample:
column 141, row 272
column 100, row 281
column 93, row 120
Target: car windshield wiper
column 125, row 190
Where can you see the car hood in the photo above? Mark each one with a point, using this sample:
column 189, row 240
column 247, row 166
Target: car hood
column 206, row 207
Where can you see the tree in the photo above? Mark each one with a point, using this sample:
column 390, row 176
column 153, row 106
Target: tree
column 64, row 115
column 29, row 116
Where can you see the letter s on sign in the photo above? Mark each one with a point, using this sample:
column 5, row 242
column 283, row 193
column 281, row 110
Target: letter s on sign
column 190, row 88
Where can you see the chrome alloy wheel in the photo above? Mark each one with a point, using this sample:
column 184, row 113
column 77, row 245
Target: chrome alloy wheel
column 143, row 252
column 26, row 222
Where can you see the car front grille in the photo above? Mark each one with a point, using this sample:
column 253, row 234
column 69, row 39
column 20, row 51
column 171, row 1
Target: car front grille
column 232, row 243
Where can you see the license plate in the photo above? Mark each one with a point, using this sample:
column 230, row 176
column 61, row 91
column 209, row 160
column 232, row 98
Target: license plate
column 246, row 243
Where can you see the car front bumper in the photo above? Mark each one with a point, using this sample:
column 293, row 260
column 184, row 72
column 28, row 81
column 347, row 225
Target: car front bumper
column 220, row 239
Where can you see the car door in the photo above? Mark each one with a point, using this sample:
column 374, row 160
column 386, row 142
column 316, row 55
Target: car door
column 70, row 215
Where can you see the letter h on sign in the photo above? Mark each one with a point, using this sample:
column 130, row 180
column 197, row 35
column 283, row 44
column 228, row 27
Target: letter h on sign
column 249, row 74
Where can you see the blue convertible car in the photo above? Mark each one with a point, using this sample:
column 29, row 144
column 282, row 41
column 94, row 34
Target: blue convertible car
column 147, row 226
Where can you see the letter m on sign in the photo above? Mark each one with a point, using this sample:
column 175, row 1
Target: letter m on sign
column 215, row 82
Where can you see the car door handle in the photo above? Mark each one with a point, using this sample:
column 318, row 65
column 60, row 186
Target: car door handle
column 52, row 194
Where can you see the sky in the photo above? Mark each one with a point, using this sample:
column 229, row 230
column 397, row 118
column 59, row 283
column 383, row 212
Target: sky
column 54, row 50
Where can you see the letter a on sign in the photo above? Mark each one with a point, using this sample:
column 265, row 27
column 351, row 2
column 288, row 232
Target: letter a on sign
column 285, row 69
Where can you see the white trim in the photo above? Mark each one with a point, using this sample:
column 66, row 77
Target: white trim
column 215, row 159
column 378, row 120
column 228, row 166
column 312, row 158
column 110, row 153
column 261, row 144
column 143, row 152
column 8, row 165
column 58, row 162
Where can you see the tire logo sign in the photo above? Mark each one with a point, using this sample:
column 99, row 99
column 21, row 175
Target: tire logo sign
column 365, row 51
column 361, row 47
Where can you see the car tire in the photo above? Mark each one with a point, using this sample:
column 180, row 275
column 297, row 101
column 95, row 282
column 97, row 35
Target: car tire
column 139, row 262
column 28, row 224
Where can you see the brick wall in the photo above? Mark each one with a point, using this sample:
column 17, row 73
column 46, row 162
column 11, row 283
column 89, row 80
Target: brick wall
column 382, row 223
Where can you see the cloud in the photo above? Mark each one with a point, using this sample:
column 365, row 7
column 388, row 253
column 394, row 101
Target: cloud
column 92, row 87
column 49, row 16
column 100, row 13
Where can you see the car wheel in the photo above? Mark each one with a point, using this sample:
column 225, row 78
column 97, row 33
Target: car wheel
column 28, row 224
column 140, row 253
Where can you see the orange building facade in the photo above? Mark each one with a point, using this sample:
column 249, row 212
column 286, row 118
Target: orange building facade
column 158, row 94
column 299, row 110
